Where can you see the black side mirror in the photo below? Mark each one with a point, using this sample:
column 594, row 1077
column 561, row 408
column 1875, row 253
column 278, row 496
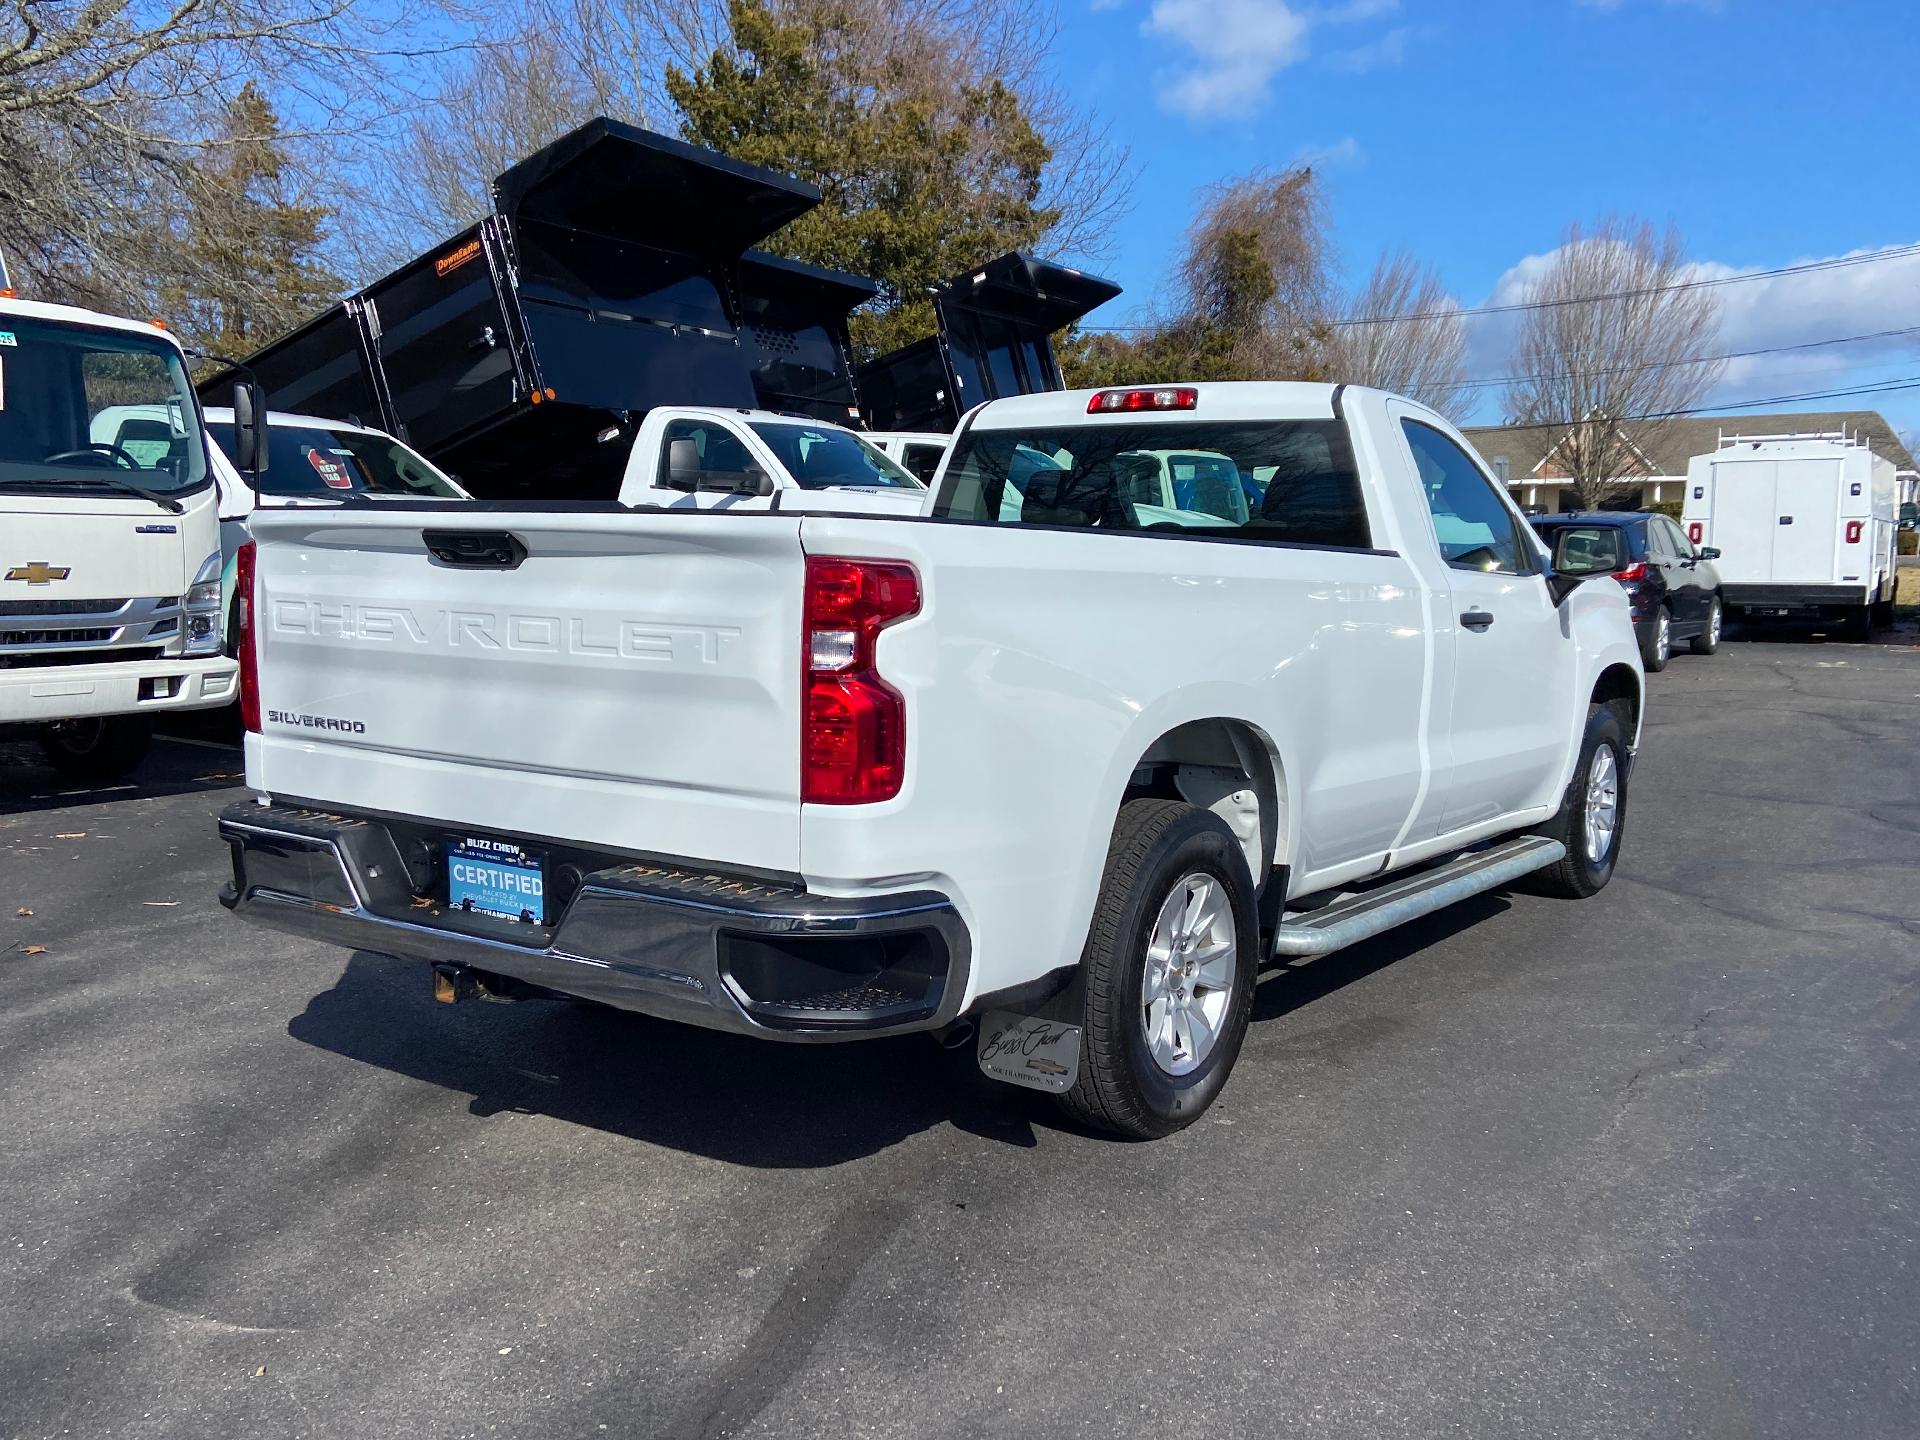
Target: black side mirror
column 1562, row 583
column 250, row 428
column 1708, row 552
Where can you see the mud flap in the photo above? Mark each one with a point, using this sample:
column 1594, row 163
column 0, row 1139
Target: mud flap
column 1028, row 1050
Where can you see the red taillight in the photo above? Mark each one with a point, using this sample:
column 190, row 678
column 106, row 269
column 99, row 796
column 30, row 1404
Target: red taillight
column 1696, row 531
column 853, row 739
column 1636, row 571
column 249, row 665
column 1162, row 397
column 1854, row 528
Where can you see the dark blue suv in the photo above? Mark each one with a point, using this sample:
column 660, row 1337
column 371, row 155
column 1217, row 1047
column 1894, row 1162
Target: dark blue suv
column 1670, row 582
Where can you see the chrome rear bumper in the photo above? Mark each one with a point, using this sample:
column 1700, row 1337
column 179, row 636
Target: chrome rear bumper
column 680, row 942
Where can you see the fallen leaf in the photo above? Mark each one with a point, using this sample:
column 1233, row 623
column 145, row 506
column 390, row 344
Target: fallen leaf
column 160, row 904
column 23, row 912
column 33, row 949
column 72, row 835
column 258, row 1371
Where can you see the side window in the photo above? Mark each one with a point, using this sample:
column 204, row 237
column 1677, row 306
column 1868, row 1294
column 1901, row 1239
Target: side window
column 922, row 460
column 692, row 451
column 1676, row 539
column 1658, row 544
column 1475, row 529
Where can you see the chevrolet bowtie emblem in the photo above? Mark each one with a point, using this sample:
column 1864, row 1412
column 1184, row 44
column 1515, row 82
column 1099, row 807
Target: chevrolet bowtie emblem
column 39, row 572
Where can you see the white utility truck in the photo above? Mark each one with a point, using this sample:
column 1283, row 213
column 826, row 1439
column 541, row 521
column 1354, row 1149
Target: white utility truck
column 1060, row 778
column 1804, row 525
column 110, row 590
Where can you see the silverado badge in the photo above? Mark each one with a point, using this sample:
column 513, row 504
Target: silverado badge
column 38, row 572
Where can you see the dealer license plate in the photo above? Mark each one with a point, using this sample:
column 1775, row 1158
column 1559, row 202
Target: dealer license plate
column 498, row 878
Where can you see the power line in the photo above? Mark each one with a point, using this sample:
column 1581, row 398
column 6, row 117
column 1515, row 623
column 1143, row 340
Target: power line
column 1695, row 359
column 1909, row 382
column 1838, row 262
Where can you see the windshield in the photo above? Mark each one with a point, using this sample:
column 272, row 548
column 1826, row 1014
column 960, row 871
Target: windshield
column 821, row 457
column 83, row 408
column 317, row 462
column 1291, row 481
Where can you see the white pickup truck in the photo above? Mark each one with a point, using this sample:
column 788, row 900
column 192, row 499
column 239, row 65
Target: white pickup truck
column 1067, row 773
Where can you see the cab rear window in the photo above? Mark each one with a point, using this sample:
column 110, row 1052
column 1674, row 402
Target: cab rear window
column 1292, row 481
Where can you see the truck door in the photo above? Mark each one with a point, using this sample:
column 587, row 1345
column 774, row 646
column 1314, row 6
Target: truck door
column 1511, row 664
column 1742, row 519
column 1806, row 521
column 696, row 462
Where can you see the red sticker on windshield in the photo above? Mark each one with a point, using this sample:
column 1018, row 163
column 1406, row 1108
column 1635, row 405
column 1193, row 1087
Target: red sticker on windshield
column 331, row 471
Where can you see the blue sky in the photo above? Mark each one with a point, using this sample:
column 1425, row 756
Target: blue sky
column 1470, row 132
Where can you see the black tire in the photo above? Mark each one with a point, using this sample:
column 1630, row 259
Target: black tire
column 1708, row 640
column 1859, row 624
column 103, row 748
column 1882, row 614
column 1121, row 1088
column 1652, row 659
column 1581, row 872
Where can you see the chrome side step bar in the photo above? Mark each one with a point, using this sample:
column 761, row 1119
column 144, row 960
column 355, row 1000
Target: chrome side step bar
column 1366, row 913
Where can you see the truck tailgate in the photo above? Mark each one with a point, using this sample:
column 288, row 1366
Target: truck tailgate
column 632, row 683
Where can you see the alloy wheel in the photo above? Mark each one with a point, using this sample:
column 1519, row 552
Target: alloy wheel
column 1193, row 956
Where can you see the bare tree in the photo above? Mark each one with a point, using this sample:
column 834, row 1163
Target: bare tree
column 107, row 108
column 1403, row 332
column 1611, row 350
column 1254, row 277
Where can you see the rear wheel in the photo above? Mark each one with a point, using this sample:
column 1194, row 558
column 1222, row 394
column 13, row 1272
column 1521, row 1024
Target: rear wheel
column 1170, row 964
column 1656, row 646
column 1592, row 818
column 102, row 747
column 1708, row 640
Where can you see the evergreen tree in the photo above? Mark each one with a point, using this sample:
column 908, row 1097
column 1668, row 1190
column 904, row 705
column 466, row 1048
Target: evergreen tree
column 248, row 266
column 923, row 176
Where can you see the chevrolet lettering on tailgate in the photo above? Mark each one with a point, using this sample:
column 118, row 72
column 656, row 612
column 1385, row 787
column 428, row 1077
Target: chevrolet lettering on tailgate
column 585, row 636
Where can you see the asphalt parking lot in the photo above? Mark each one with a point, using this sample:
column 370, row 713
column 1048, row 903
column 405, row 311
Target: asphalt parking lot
column 1647, row 1165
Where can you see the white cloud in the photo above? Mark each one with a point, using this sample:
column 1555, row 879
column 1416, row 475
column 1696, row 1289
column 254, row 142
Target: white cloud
column 1098, row 5
column 1390, row 49
column 1344, row 151
column 1235, row 48
column 1238, row 47
column 1813, row 311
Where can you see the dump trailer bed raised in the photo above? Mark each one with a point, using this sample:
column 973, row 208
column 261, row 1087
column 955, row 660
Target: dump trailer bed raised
column 617, row 274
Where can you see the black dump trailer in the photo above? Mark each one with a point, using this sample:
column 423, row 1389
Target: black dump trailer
column 996, row 325
column 618, row 273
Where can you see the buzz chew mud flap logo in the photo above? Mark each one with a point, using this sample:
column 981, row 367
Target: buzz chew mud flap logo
column 317, row 722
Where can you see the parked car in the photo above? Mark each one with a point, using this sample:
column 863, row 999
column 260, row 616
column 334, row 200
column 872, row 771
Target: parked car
column 1671, row 583
column 1061, row 776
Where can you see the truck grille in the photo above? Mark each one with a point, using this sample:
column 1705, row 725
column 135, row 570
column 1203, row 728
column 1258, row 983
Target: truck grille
column 13, row 609
column 72, row 632
column 55, row 637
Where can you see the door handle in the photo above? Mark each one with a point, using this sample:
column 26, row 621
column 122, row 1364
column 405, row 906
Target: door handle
column 1476, row 620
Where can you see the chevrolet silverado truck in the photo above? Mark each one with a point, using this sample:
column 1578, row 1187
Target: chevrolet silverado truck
column 1055, row 774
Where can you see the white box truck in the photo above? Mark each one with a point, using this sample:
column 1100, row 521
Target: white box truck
column 1804, row 525
column 110, row 589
